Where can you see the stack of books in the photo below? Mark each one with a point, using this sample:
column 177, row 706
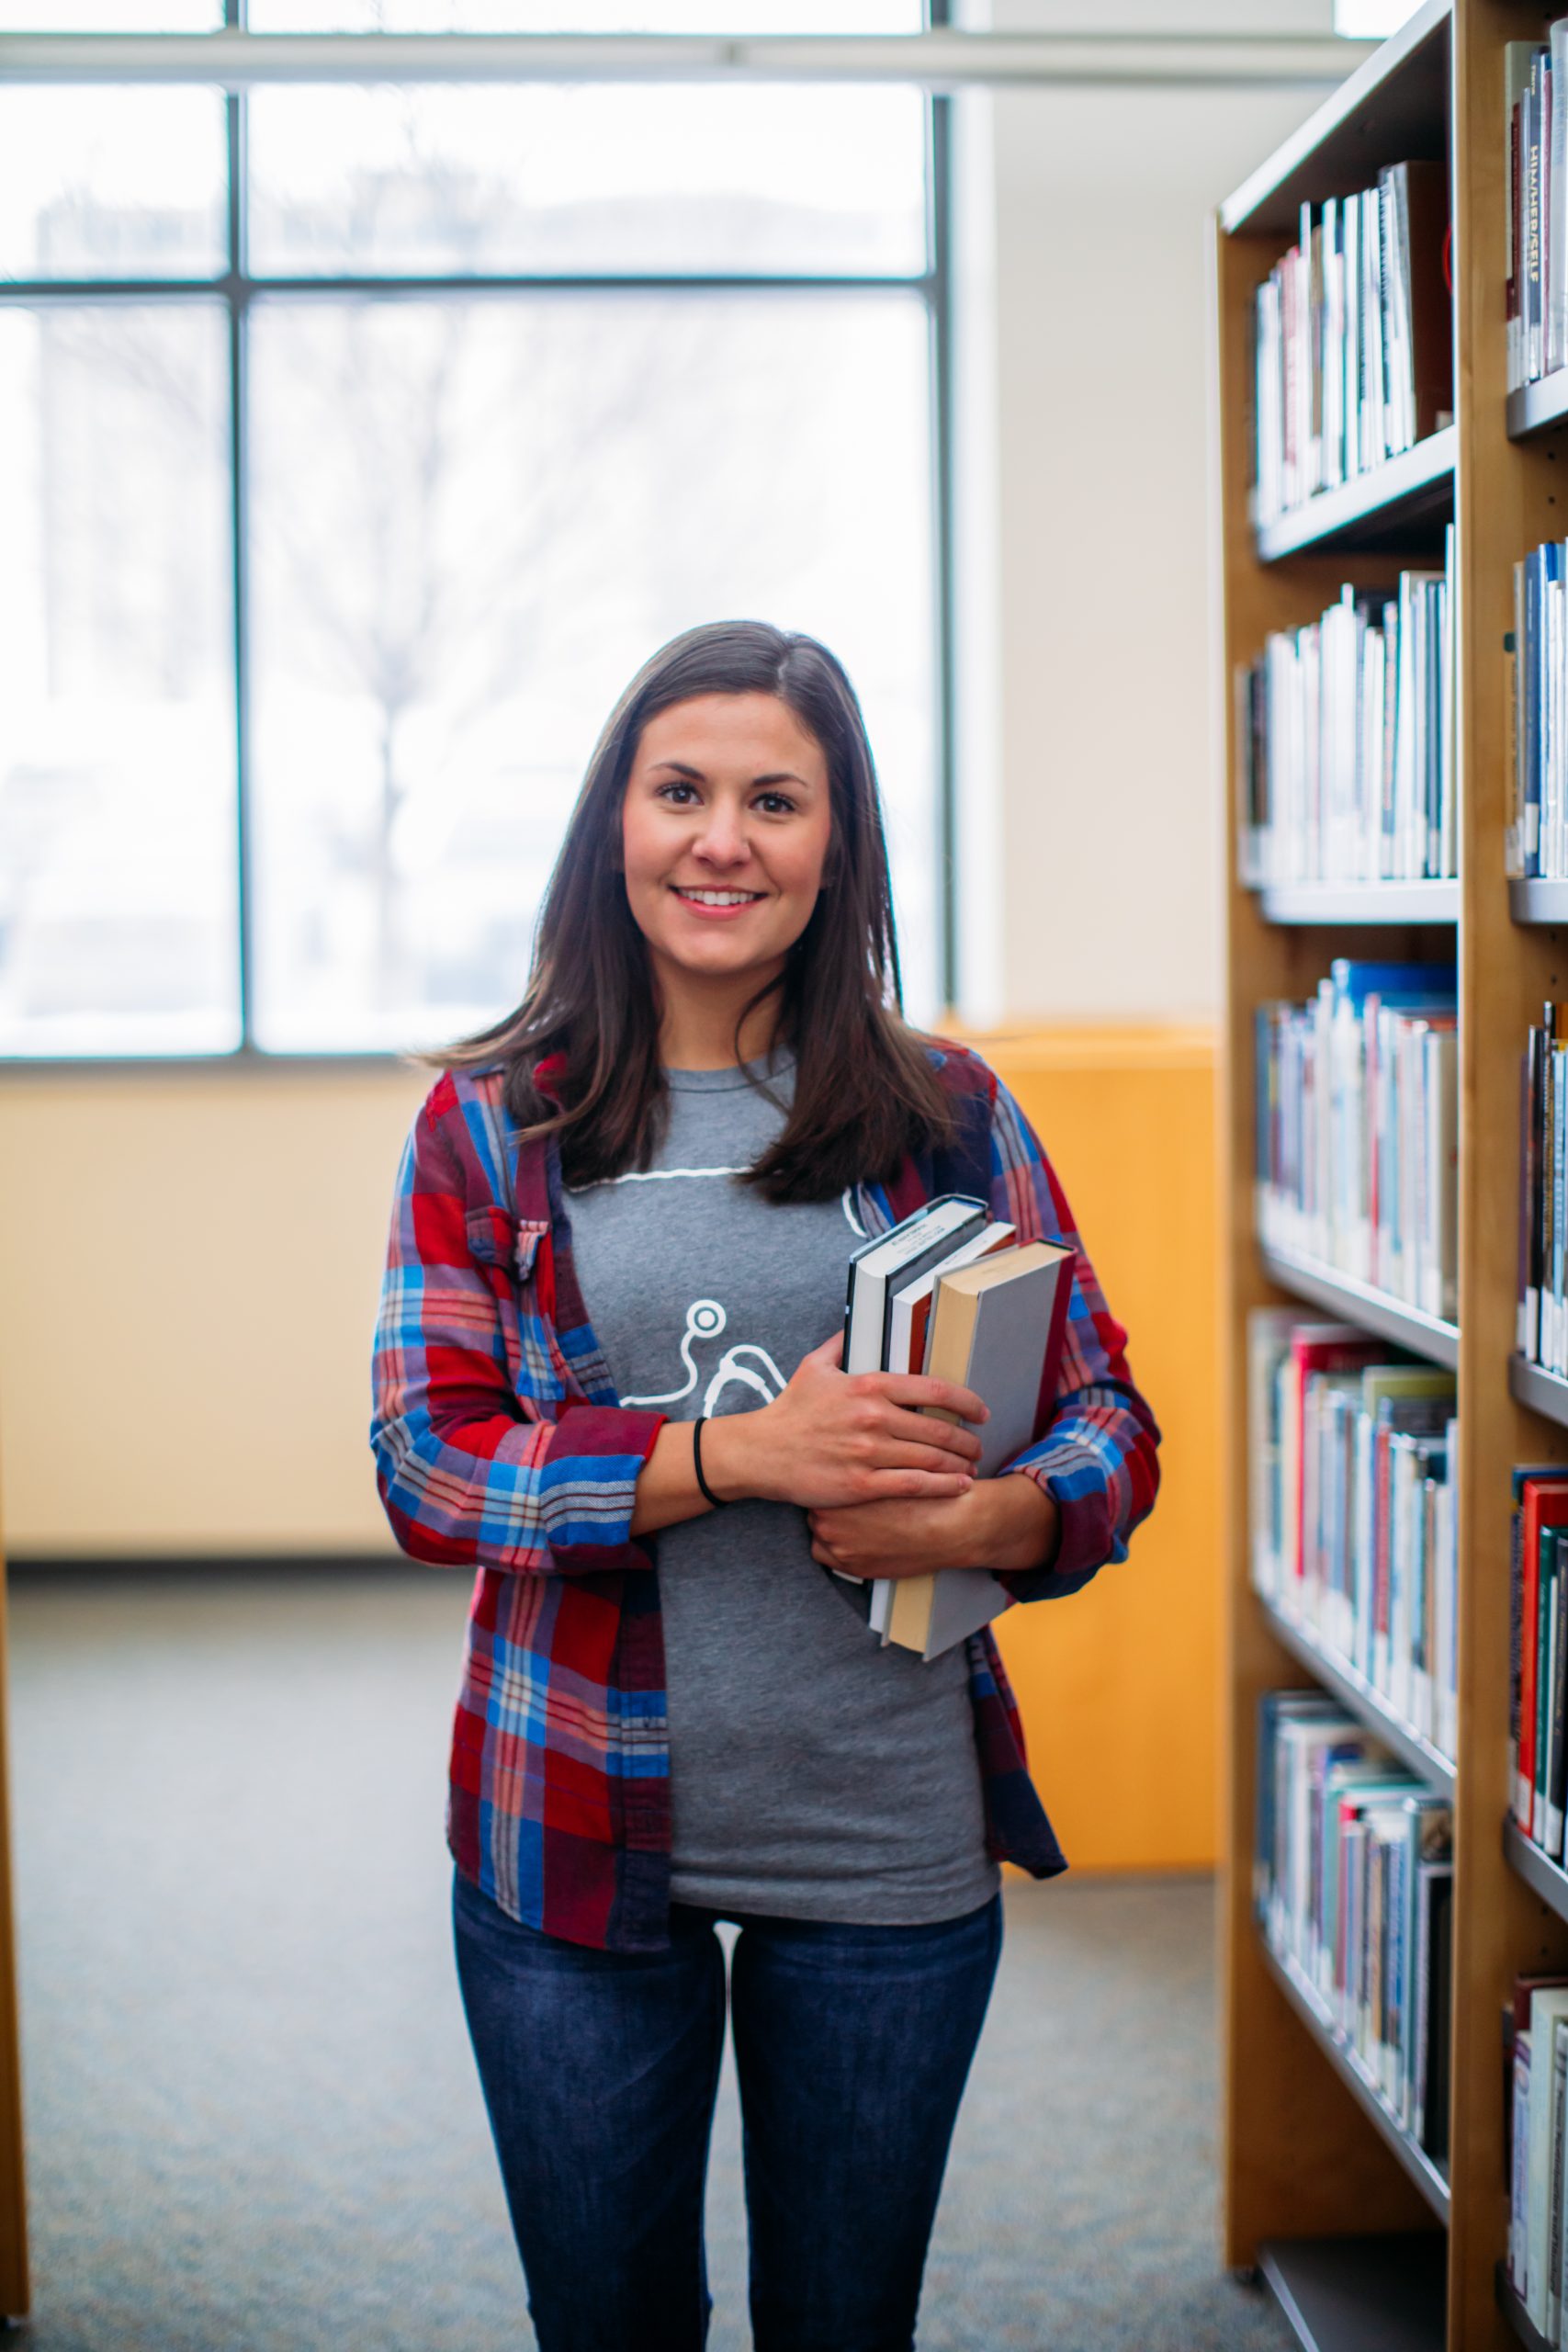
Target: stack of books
column 1535, row 2071
column 1358, row 1130
column 1354, row 1535
column 951, row 1293
column 1535, row 81
column 1345, row 741
column 1354, row 350
column 1353, row 1884
column 1535, row 654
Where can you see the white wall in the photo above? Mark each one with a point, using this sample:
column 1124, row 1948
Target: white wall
column 1088, row 793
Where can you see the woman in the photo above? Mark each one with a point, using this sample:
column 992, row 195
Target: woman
column 612, row 1313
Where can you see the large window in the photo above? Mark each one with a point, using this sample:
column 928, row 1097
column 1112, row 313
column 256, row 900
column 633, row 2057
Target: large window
column 357, row 443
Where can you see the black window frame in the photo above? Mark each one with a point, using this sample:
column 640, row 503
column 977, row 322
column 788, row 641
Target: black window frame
column 235, row 288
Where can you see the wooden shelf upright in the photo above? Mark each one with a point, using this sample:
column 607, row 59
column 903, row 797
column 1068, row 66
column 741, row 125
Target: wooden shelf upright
column 1306, row 2162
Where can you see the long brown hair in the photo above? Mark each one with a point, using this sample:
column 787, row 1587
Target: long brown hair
column 865, row 1091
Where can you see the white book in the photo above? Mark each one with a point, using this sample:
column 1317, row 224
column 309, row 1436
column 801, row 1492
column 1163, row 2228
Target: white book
column 904, row 1307
column 1518, row 2170
column 1554, row 237
column 1547, row 2006
column 918, row 1241
column 1554, row 2196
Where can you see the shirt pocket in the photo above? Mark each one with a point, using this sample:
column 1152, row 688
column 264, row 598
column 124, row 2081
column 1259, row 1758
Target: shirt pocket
column 511, row 1245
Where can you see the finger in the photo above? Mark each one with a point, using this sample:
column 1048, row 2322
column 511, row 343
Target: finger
column 919, row 1428
column 914, row 1389
column 826, row 1555
column 830, row 1352
column 919, row 1453
column 917, row 1486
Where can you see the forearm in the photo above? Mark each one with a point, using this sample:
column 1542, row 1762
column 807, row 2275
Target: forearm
column 667, row 1488
column 1021, row 1527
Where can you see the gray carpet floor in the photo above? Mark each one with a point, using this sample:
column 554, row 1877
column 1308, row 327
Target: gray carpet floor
column 252, row 2121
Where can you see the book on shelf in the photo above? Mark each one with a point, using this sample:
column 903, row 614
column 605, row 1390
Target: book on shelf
column 1535, row 661
column 1352, row 1870
column 1354, row 1533
column 1356, row 1130
column 994, row 1326
column 1535, row 79
column 1536, row 1667
column 1542, row 1282
column 1535, row 2142
column 1353, row 338
column 1345, row 736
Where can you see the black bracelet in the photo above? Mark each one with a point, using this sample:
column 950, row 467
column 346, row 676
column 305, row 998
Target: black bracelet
column 717, row 1500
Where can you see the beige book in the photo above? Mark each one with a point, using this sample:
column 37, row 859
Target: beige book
column 996, row 1328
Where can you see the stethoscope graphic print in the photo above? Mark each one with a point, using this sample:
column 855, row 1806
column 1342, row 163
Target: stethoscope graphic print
column 706, row 1319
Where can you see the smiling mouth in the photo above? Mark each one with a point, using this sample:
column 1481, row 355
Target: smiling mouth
column 716, row 897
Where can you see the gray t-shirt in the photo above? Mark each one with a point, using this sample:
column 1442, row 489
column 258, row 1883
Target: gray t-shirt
column 813, row 1774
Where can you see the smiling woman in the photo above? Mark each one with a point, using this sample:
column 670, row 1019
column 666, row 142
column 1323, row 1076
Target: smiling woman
column 707, row 1096
column 723, row 837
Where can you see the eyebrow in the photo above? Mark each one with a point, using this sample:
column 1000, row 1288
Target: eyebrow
column 779, row 775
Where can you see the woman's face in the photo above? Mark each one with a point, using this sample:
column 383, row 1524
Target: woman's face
column 724, row 830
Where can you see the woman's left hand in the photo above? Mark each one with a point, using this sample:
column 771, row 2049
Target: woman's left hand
column 999, row 1524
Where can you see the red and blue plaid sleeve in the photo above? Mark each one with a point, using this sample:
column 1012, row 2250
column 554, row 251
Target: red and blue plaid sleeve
column 1097, row 1455
column 467, row 1479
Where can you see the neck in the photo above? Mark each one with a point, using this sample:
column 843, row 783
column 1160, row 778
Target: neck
column 697, row 1020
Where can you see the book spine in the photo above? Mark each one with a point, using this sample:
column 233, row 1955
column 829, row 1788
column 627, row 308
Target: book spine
column 1519, row 2185
column 1516, row 1660
column 1553, row 1776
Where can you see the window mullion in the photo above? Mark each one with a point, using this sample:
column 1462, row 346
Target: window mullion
column 236, row 294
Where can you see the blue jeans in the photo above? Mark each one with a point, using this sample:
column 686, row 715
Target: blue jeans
column 851, row 2045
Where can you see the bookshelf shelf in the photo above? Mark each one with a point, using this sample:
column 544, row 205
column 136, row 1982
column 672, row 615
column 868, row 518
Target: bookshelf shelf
column 1396, row 506
column 1360, row 2294
column 1309, row 2007
column 1368, row 1706
column 1543, row 1392
column 1394, row 104
column 1540, row 1872
column 1355, row 1302
column 1518, row 2318
column 1538, row 902
column 1303, row 2162
column 1539, row 407
column 1360, row 902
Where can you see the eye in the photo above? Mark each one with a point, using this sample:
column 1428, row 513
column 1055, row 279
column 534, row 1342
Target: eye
column 775, row 803
column 680, row 792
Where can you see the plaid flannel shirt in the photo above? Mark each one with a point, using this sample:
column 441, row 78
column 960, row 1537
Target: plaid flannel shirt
column 499, row 1444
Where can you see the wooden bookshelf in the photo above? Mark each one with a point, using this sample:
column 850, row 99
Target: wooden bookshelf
column 1359, row 2294
column 1393, row 505
column 1544, row 1877
column 1539, row 407
column 1306, row 2164
column 1544, row 1392
column 1368, row 904
column 1311, row 2008
column 1359, row 1698
column 1353, row 1302
column 1518, row 2318
column 1539, row 902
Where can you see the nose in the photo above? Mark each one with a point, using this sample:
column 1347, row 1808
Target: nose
column 722, row 842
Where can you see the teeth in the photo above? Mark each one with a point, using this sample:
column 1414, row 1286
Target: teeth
column 720, row 898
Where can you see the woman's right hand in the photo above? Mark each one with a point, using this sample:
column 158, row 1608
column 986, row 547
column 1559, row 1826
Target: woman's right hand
column 833, row 1439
